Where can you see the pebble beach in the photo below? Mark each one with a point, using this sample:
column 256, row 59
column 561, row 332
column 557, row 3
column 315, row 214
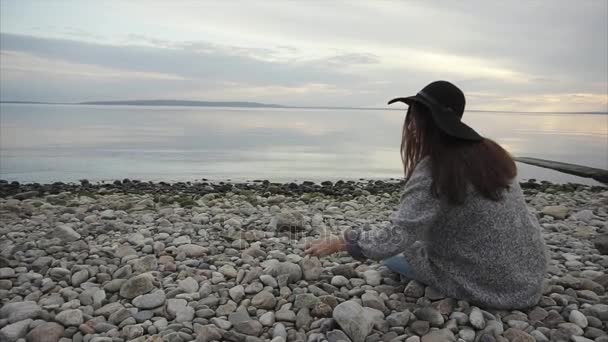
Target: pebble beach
column 203, row 261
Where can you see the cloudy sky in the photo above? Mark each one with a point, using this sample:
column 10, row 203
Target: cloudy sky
column 506, row 55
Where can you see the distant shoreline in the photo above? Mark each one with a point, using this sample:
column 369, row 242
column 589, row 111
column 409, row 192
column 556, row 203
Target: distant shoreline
column 241, row 104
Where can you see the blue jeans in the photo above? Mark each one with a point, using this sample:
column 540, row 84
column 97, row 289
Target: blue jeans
column 399, row 264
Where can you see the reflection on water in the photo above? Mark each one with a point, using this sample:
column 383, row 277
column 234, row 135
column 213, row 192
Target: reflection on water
column 59, row 142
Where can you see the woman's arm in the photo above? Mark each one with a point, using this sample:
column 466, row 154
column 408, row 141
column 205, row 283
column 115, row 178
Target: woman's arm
column 325, row 247
column 417, row 211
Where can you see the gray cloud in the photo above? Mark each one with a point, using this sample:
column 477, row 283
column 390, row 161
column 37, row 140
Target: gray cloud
column 559, row 40
column 352, row 59
column 193, row 60
column 355, row 53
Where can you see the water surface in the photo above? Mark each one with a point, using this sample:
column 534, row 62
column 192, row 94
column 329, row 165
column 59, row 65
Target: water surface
column 46, row 143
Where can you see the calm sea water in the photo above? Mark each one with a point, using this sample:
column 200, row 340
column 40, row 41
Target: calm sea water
column 46, row 143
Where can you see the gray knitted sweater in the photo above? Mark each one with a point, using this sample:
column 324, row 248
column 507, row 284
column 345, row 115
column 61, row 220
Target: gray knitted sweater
column 490, row 253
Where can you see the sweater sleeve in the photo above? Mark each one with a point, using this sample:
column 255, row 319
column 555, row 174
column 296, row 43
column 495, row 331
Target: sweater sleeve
column 417, row 211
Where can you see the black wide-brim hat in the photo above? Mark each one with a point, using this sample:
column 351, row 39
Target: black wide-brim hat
column 446, row 103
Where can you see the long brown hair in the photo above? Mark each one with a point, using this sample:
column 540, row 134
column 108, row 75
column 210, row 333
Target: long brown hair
column 455, row 163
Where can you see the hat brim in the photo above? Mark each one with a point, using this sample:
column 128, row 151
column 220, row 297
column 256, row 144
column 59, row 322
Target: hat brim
column 445, row 119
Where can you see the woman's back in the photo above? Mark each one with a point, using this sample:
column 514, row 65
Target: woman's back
column 486, row 250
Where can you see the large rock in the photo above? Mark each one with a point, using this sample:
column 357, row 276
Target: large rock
column 399, row 319
column 179, row 310
column 267, row 319
column 151, row 300
column 92, row 296
column 124, row 250
column 237, row 293
column 372, row 300
column 289, row 269
column 19, row 311
column 238, row 316
column 476, row 319
column 557, row 211
column 583, row 215
column 375, row 316
column 311, row 268
column 288, row 221
column 200, row 218
column 285, row 315
column 189, row 285
column 337, row 336
column 305, row 300
column 600, row 311
column 372, row 277
column 601, row 243
column 263, row 300
column 208, row 332
column 228, row 271
column 131, row 332
column 108, row 309
column 80, row 277
column 26, row 195
column 15, row 331
column 420, row 327
column 578, row 318
column 414, row 289
column 46, row 332
column 279, row 330
column 108, row 214
column 233, row 222
column 431, row 315
column 72, row 317
column 339, row 281
column 225, row 309
column 518, row 335
column 268, row 280
column 66, row 233
column 59, row 274
column 192, row 251
column 181, row 240
column 145, row 264
column 7, row 272
column 345, row 270
column 303, row 319
column 442, row 335
column 117, row 317
column 135, row 286
column 570, row 329
column 467, row 334
column 250, row 327
column 353, row 320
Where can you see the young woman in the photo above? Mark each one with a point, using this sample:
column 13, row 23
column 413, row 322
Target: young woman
column 462, row 226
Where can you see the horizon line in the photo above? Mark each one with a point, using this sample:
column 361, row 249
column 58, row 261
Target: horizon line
column 252, row 104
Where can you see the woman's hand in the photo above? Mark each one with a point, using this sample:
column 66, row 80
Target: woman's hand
column 324, row 247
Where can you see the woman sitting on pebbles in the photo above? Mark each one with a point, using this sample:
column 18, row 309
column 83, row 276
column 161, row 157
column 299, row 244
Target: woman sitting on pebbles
column 462, row 226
